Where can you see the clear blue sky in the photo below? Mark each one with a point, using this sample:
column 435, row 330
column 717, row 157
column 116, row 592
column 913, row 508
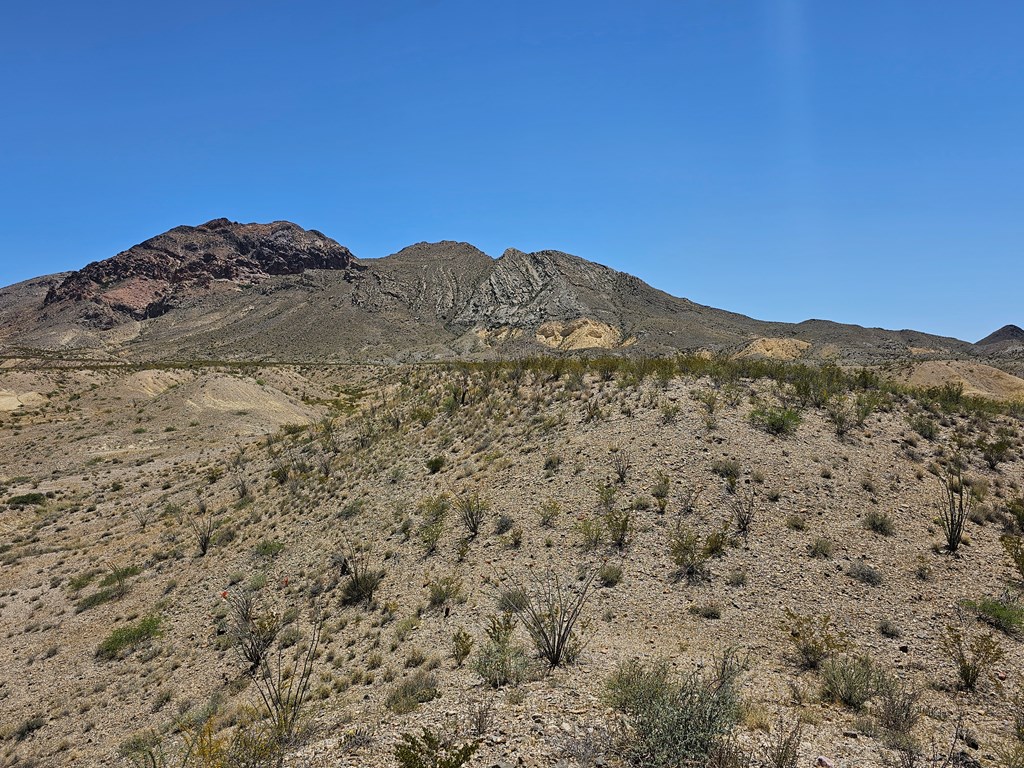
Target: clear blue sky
column 857, row 161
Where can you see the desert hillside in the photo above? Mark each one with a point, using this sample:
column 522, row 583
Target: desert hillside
column 309, row 563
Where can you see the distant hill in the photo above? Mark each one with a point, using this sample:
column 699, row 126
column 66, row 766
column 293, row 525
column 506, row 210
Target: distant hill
column 224, row 290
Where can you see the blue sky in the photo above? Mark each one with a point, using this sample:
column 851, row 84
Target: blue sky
column 857, row 161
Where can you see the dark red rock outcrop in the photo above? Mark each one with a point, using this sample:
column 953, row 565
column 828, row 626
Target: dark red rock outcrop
column 143, row 281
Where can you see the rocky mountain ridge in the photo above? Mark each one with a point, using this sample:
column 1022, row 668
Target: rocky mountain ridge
column 225, row 290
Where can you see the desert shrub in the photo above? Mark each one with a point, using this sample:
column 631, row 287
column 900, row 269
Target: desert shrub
column 898, row 707
column 591, row 531
column 841, row 414
column 888, row 628
column 972, row 657
column 814, row 638
column 550, row 614
column 775, row 420
column 27, row 500
column 717, row 541
column 26, row 728
column 924, row 426
column 420, row 687
column 850, row 680
column 1005, row 613
column 821, row 548
column 864, row 573
column 444, row 589
column 1014, row 546
column 660, row 490
column 879, row 522
column 676, row 722
column 471, row 509
column 435, row 464
column 617, row 524
column 956, row 500
column 687, row 552
column 609, row 574
column 549, row 511
column 251, row 627
column 129, row 637
column 430, row 750
column 462, row 645
column 1015, row 508
column 994, row 452
column 501, row 660
column 743, row 508
column 783, row 749
column 361, row 579
column 504, row 524
column 727, row 469
column 268, row 548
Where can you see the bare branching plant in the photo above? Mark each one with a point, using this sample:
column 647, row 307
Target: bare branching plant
column 252, row 627
column 283, row 685
column 471, row 508
column 550, row 612
column 955, row 503
column 743, row 509
column 201, row 525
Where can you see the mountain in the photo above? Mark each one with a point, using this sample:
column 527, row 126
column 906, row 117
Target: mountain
column 225, row 290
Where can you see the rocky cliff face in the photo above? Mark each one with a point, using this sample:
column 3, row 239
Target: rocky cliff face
column 144, row 281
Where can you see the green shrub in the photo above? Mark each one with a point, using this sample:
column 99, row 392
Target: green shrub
column 898, row 708
column 444, row 589
column 972, row 657
column 462, row 645
column 688, row 553
column 430, row 750
column 1014, row 546
column 129, row 637
column 814, row 638
column 27, row 499
column 435, row 464
column 549, row 511
column 924, row 426
column 775, row 420
column 1004, row 613
column 850, row 680
column 610, row 574
column 420, row 687
column 676, row 722
column 879, row 522
column 267, row 548
column 501, row 661
column 821, row 548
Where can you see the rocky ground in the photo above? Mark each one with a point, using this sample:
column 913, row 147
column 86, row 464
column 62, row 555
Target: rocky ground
column 299, row 473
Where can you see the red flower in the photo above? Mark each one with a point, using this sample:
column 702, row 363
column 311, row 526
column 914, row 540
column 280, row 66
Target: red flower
column 224, row 594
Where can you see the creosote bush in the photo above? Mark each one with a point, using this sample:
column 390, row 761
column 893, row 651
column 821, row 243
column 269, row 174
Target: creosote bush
column 814, row 638
column 972, row 657
column 676, row 722
column 850, row 680
column 432, row 750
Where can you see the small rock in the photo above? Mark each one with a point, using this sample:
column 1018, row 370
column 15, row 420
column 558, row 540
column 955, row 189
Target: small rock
column 823, row 762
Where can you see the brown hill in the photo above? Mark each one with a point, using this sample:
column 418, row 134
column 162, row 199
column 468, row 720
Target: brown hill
column 225, row 290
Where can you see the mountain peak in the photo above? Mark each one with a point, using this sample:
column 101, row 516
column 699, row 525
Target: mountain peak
column 141, row 281
column 1010, row 333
